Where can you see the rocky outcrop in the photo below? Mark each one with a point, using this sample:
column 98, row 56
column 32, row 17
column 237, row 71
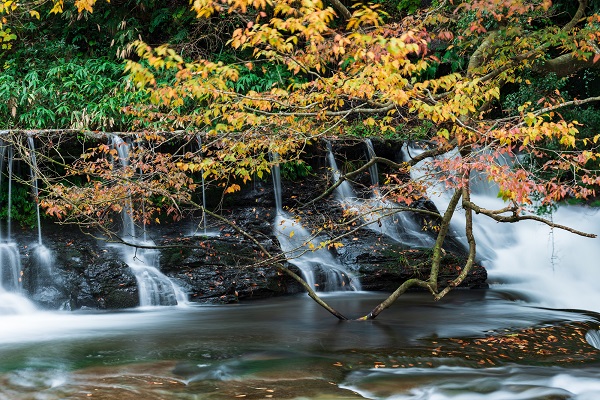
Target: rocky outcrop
column 223, row 269
column 222, row 266
column 78, row 272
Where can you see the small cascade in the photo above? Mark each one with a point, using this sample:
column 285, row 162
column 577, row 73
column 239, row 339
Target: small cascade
column 3, row 148
column 320, row 269
column 10, row 179
column 529, row 260
column 400, row 226
column 489, row 236
column 344, row 191
column 373, row 170
column 10, row 267
column 11, row 299
column 380, row 214
column 155, row 288
column 34, row 181
column 123, row 148
column 43, row 257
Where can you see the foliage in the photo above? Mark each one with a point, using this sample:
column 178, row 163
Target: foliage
column 260, row 78
column 23, row 210
column 45, row 91
column 295, row 170
column 409, row 6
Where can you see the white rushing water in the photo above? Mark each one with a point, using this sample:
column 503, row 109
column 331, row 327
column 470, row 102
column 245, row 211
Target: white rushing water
column 380, row 214
column 12, row 300
column 320, row 269
column 463, row 383
column 544, row 266
column 155, row 288
column 34, row 181
column 55, row 355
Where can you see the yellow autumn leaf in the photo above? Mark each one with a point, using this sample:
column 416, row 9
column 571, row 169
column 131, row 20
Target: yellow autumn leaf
column 58, row 7
column 86, row 5
column 233, row 188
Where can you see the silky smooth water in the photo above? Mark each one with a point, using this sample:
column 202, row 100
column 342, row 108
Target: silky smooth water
column 320, row 269
column 288, row 345
column 380, row 214
column 540, row 265
column 154, row 287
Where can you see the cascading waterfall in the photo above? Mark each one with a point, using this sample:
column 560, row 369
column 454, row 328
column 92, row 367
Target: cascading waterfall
column 400, row 226
column 320, row 269
column 11, row 299
column 543, row 266
column 122, row 147
column 43, row 255
column 380, row 214
column 155, row 289
column 344, row 191
column 10, row 178
column 34, row 181
column 3, row 148
column 491, row 236
column 373, row 170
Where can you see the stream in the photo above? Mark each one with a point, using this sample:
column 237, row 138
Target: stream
column 289, row 348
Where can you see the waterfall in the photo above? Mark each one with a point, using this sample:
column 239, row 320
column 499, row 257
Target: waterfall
column 2, row 157
column 42, row 256
column 10, row 178
column 400, row 226
column 320, row 269
column 344, row 191
column 11, row 299
column 123, row 149
column 34, row 180
column 373, row 171
column 155, row 289
column 10, row 267
column 490, row 236
column 543, row 266
column 381, row 215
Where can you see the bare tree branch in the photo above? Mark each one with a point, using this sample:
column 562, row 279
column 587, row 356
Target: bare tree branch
column 516, row 218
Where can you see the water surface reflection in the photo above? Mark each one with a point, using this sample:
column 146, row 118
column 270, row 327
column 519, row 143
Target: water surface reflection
column 278, row 340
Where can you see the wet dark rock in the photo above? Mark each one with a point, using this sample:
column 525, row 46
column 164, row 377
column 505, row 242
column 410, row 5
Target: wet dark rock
column 383, row 265
column 224, row 266
column 82, row 273
column 220, row 270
